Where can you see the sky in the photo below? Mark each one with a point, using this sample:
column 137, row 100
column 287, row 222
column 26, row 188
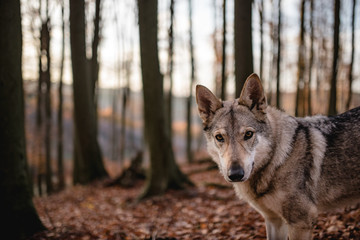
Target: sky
column 120, row 42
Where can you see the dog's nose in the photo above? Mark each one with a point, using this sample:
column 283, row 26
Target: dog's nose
column 236, row 173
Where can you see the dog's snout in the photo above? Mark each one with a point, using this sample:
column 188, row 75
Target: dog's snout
column 236, row 173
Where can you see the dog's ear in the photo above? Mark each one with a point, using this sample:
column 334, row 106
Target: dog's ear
column 207, row 102
column 252, row 95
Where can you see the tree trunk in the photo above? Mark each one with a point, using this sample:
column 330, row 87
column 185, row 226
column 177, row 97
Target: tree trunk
column 44, row 119
column 333, row 94
column 41, row 170
column 45, row 75
column 278, row 61
column 163, row 172
column 217, row 52
column 94, row 57
column 60, row 149
column 243, row 44
column 272, row 64
column 299, row 106
column 125, row 95
column 18, row 215
column 114, row 131
column 170, row 69
column 89, row 153
column 223, row 66
column 40, row 174
column 311, row 60
column 261, row 15
column 350, row 76
column 189, row 152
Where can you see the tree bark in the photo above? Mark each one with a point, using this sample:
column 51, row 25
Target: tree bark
column 278, row 61
column 333, row 92
column 18, row 215
column 272, row 64
column 350, row 76
column 45, row 106
column 90, row 166
column 170, row 68
column 163, row 172
column 60, row 156
column 45, row 75
column 41, row 169
column 223, row 66
column 44, row 122
column 311, row 60
column 299, row 106
column 125, row 96
column 261, row 15
column 189, row 152
column 94, row 56
column 217, row 52
column 114, row 130
column 243, row 44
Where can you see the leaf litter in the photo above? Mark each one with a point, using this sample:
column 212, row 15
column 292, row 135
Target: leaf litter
column 206, row 211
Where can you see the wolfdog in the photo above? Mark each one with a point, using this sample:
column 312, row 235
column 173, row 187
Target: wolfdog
column 287, row 168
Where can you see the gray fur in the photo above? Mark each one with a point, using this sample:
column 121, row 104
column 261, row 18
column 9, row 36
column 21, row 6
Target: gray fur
column 293, row 167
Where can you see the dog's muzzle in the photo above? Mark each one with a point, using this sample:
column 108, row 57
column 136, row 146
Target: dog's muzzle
column 236, row 173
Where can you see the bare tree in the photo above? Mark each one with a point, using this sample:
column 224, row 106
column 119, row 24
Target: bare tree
column 189, row 152
column 324, row 48
column 311, row 60
column 89, row 165
column 115, row 95
column 114, row 130
column 223, row 66
column 39, row 118
column 60, row 137
column 44, row 98
column 272, row 64
column 217, row 51
column 299, row 105
column 261, row 15
column 125, row 98
column 351, row 69
column 278, row 61
column 19, row 219
column 332, row 104
column 243, row 43
column 163, row 172
column 170, row 68
column 94, row 51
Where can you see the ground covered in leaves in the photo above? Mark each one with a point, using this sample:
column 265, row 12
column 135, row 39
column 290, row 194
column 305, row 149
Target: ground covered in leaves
column 208, row 211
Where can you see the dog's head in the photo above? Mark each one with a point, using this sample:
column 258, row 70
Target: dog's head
column 236, row 129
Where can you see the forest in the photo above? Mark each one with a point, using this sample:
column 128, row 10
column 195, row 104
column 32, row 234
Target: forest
column 100, row 135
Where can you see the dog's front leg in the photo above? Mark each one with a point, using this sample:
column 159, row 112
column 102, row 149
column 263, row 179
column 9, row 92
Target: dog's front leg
column 300, row 232
column 276, row 229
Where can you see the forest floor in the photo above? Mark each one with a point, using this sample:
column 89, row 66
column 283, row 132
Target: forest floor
column 208, row 211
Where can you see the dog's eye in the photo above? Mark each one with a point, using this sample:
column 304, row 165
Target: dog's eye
column 248, row 135
column 219, row 138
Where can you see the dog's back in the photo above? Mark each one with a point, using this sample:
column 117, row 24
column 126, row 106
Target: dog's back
column 339, row 182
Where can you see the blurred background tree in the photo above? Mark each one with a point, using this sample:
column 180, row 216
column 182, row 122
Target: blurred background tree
column 88, row 165
column 18, row 215
column 163, row 172
column 243, row 43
